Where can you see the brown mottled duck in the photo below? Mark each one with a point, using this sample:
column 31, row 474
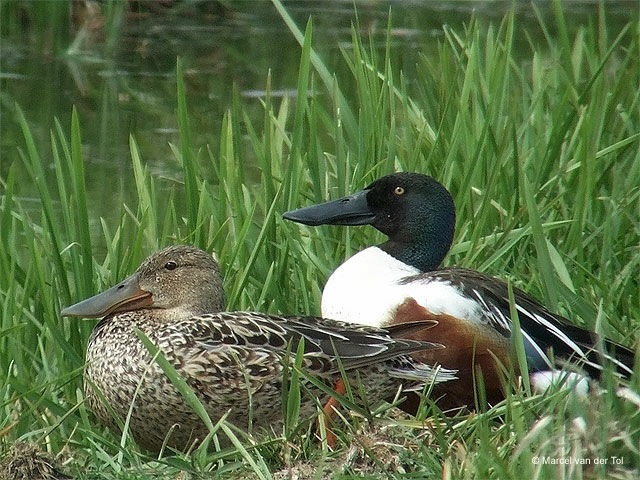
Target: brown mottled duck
column 175, row 299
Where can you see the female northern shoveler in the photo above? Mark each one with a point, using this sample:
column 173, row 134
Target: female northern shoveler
column 172, row 298
column 399, row 280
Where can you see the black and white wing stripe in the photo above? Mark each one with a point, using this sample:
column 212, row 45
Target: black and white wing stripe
column 542, row 330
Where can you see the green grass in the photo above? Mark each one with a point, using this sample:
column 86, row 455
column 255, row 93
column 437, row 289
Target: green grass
column 540, row 147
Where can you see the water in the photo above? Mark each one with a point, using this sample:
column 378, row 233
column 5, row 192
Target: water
column 118, row 69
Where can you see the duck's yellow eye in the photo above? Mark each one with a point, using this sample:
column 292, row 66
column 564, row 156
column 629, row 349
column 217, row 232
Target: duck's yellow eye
column 398, row 190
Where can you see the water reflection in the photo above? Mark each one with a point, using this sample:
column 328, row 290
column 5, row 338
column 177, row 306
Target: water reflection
column 117, row 66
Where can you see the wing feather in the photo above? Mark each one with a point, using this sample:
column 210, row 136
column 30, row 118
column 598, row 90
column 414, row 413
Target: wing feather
column 324, row 341
column 542, row 330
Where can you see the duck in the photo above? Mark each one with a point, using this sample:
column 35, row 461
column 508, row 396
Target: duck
column 229, row 359
column 401, row 280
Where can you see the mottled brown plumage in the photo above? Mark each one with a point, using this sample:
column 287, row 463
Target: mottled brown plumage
column 227, row 358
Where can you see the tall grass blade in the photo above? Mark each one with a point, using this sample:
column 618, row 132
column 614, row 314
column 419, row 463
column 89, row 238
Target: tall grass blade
column 188, row 161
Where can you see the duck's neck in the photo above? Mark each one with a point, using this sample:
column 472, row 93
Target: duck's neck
column 424, row 250
column 414, row 255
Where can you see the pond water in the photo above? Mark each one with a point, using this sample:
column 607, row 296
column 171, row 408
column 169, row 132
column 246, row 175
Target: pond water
column 117, row 67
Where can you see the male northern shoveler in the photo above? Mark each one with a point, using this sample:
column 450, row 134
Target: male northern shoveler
column 399, row 280
column 172, row 298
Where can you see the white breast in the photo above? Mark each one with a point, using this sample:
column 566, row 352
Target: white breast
column 367, row 289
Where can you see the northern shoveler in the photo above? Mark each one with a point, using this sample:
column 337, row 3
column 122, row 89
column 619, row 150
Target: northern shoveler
column 173, row 299
column 400, row 280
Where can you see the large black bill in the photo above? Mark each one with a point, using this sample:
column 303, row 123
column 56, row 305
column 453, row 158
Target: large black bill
column 351, row 210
